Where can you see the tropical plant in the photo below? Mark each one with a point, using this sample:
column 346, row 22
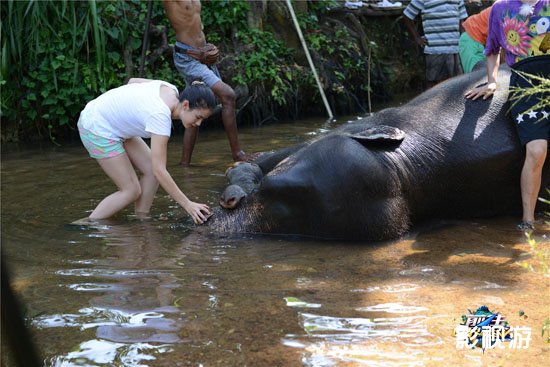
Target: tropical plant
column 56, row 55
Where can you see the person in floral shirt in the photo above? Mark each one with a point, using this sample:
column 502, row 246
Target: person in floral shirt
column 521, row 29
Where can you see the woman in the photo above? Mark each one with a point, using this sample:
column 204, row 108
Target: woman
column 112, row 127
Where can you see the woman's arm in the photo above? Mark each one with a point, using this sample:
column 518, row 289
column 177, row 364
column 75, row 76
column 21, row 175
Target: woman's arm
column 159, row 144
column 488, row 89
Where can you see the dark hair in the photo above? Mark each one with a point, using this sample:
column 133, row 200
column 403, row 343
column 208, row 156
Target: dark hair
column 199, row 95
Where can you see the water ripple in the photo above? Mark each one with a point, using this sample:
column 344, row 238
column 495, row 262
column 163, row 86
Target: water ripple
column 392, row 308
column 395, row 288
column 108, row 273
column 393, row 341
column 101, row 352
column 94, row 316
column 93, row 287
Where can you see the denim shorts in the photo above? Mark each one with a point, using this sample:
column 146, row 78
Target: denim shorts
column 99, row 147
column 191, row 69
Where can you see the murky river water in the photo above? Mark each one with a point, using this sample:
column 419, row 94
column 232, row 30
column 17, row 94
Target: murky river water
column 157, row 293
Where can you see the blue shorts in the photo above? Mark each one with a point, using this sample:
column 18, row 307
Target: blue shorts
column 191, row 69
column 99, row 147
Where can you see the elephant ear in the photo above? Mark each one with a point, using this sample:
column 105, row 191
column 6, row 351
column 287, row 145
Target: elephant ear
column 380, row 134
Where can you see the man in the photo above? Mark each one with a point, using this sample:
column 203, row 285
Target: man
column 442, row 22
column 185, row 18
column 519, row 27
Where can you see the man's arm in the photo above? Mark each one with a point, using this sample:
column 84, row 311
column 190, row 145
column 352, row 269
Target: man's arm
column 411, row 27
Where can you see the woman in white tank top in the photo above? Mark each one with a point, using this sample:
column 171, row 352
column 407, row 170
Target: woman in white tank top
column 112, row 128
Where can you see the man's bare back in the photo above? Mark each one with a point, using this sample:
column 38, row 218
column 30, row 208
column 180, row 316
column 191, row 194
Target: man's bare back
column 185, row 17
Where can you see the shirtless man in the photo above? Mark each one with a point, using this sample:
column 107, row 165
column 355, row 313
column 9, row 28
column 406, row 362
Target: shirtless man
column 185, row 17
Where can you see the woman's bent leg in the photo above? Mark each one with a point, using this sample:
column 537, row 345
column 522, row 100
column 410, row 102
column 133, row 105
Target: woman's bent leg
column 120, row 171
column 140, row 156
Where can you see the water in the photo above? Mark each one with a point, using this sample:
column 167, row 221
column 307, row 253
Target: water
column 157, row 293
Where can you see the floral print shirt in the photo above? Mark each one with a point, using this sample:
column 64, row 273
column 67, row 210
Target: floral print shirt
column 519, row 35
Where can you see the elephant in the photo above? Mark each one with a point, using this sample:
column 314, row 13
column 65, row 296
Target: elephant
column 244, row 178
column 439, row 156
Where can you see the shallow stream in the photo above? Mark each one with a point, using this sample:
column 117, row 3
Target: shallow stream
column 157, row 293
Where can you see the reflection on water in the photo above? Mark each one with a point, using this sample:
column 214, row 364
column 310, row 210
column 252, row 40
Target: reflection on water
column 333, row 340
column 102, row 352
column 158, row 293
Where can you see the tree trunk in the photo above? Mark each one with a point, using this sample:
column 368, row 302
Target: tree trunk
column 256, row 13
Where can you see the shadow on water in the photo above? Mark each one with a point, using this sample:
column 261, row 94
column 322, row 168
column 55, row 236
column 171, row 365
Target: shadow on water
column 160, row 293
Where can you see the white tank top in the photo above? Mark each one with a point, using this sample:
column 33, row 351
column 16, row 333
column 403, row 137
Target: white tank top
column 130, row 110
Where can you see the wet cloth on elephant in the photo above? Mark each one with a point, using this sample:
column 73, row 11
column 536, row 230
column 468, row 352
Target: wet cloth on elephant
column 192, row 69
column 531, row 124
column 517, row 28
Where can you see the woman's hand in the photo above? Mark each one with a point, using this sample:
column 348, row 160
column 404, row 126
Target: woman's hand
column 484, row 91
column 199, row 212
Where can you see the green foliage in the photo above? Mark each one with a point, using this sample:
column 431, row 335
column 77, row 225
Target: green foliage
column 265, row 62
column 334, row 44
column 220, row 18
column 321, row 6
column 58, row 55
column 43, row 75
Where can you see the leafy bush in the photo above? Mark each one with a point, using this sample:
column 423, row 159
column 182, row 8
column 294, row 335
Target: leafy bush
column 59, row 55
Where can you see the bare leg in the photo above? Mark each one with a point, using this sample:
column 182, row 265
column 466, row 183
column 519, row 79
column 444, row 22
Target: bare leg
column 227, row 96
column 189, row 140
column 140, row 156
column 121, row 172
column 531, row 176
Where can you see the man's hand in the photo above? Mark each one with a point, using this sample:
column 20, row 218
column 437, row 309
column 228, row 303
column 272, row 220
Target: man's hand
column 207, row 54
column 242, row 156
column 422, row 41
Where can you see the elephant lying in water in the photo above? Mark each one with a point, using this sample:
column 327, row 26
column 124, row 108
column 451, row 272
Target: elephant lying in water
column 440, row 156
